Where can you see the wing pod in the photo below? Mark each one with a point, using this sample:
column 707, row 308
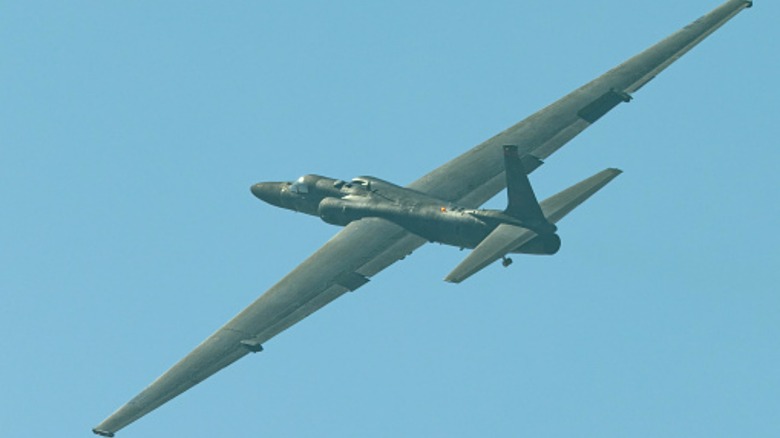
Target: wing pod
column 508, row 238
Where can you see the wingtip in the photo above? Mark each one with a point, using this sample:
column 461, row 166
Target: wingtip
column 100, row 432
column 450, row 279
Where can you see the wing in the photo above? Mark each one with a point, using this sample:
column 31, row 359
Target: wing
column 343, row 264
column 366, row 247
column 478, row 174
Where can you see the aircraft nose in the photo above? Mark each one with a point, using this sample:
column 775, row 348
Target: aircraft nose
column 270, row 192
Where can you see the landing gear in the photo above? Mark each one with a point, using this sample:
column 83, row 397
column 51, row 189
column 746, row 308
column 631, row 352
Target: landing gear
column 506, row 261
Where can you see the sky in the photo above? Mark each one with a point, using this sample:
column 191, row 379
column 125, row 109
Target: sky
column 130, row 133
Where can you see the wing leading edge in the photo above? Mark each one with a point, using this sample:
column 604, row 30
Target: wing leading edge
column 366, row 247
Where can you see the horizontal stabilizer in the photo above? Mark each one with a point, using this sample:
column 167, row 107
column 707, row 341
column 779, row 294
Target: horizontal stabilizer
column 506, row 238
column 558, row 206
column 497, row 244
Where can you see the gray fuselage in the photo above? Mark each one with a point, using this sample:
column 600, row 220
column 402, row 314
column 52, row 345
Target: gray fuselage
column 338, row 202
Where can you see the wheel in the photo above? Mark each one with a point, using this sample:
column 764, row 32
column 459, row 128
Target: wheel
column 506, row 262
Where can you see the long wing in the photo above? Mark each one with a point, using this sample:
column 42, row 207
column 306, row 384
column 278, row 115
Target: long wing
column 477, row 175
column 366, row 247
column 343, row 264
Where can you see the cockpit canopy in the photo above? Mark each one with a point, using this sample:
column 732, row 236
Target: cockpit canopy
column 318, row 186
column 362, row 182
column 314, row 187
column 299, row 186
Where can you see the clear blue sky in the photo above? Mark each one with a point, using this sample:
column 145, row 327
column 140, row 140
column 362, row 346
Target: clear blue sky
column 130, row 133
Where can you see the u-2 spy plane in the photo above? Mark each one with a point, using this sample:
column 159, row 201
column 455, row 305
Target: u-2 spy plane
column 384, row 222
column 524, row 227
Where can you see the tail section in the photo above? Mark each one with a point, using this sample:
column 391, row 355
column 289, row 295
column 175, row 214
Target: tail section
column 507, row 238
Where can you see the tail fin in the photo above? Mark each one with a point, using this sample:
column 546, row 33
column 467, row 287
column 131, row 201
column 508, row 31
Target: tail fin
column 523, row 204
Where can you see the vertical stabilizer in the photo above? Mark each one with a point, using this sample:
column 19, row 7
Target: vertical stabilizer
column 523, row 204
